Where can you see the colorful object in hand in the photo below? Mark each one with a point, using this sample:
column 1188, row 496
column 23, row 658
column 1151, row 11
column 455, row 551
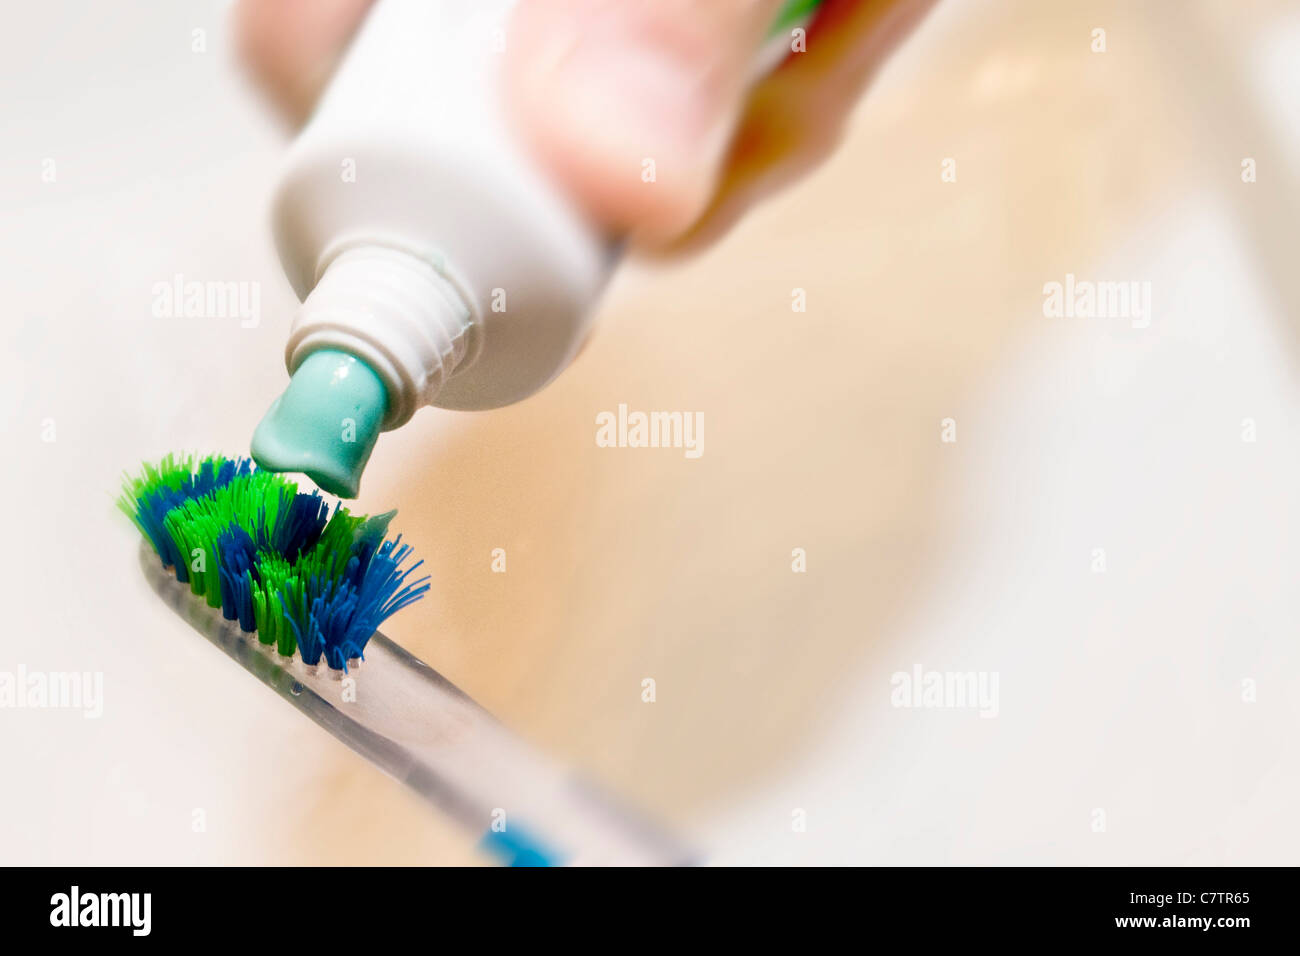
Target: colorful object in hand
column 271, row 557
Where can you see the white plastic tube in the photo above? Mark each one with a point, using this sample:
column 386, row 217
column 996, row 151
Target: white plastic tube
column 426, row 244
column 409, row 160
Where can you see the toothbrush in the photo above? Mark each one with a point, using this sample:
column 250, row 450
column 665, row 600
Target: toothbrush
column 394, row 710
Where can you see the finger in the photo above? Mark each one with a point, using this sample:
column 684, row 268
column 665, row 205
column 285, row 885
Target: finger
column 292, row 46
column 630, row 104
column 795, row 117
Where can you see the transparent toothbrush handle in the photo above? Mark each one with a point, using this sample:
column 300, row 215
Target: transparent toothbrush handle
column 415, row 725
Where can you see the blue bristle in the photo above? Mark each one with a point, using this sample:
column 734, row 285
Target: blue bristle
column 382, row 592
column 152, row 509
column 305, row 629
column 236, row 553
column 150, row 512
column 342, row 615
column 298, row 525
column 302, row 527
column 334, row 612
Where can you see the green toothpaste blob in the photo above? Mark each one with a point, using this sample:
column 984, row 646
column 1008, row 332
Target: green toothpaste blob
column 326, row 423
column 271, row 557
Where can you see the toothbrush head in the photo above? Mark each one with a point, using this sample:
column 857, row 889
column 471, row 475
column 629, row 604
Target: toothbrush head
column 273, row 558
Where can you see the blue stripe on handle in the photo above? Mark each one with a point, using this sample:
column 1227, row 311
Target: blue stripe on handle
column 516, row 847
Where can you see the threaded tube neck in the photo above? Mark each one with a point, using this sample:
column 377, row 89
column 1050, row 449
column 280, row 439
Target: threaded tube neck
column 395, row 311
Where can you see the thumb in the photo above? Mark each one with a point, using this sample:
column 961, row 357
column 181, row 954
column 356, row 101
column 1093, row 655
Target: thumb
column 630, row 104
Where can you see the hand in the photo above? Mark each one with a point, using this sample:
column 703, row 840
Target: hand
column 595, row 86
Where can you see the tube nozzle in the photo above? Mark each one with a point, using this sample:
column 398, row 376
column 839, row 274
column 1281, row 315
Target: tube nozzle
column 326, row 423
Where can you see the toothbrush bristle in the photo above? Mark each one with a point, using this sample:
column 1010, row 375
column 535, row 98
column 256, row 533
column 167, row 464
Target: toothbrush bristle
column 272, row 558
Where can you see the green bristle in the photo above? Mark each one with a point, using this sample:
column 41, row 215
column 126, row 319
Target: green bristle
column 248, row 501
column 264, row 622
column 286, row 591
column 295, row 601
column 327, row 561
column 272, row 628
column 171, row 472
column 195, row 536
